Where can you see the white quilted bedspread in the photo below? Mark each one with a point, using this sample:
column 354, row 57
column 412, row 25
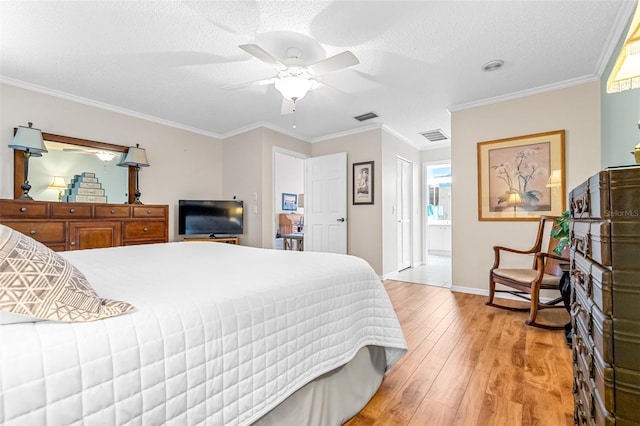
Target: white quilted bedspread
column 221, row 334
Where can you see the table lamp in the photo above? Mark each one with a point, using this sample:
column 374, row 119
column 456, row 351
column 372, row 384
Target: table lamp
column 58, row 184
column 29, row 141
column 135, row 157
column 625, row 74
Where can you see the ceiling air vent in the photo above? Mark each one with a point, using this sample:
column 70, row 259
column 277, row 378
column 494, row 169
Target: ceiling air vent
column 367, row 116
column 435, row 135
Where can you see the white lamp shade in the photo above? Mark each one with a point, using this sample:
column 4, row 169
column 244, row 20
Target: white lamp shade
column 625, row 74
column 28, row 139
column 555, row 179
column 136, row 157
column 293, row 87
column 57, row 183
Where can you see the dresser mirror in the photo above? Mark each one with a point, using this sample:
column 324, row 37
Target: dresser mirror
column 67, row 157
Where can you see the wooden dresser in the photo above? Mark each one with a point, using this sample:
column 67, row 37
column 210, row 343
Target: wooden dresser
column 76, row 226
column 605, row 278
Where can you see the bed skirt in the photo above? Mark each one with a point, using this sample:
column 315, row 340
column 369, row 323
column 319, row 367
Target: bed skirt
column 334, row 397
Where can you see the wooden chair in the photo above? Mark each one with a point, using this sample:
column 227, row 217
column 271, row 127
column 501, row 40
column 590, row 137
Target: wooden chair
column 545, row 274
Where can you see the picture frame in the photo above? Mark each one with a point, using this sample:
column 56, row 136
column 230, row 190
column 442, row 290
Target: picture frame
column 522, row 178
column 289, row 202
column 363, row 179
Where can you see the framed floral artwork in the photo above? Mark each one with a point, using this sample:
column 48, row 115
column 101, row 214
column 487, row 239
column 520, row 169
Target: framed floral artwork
column 521, row 178
column 363, row 183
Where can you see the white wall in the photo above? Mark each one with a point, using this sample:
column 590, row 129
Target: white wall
column 575, row 109
column 184, row 165
column 392, row 148
column 289, row 178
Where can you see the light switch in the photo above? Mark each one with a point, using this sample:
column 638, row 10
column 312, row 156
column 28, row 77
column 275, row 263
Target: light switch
column 255, row 196
column 254, row 209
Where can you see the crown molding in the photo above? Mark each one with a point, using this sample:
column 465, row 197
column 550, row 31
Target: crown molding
column 524, row 93
column 101, row 105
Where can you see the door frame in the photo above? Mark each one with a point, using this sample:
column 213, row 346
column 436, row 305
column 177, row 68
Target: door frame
column 408, row 191
column 423, row 208
column 274, row 215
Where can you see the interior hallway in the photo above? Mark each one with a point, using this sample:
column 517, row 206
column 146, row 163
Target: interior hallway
column 437, row 272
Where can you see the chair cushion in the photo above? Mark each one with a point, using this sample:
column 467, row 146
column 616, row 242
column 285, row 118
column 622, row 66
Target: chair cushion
column 526, row 276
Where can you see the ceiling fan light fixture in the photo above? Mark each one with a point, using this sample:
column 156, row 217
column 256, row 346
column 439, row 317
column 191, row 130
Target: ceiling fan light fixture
column 294, row 87
column 105, row 156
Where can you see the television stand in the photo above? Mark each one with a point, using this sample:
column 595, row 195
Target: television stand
column 214, row 239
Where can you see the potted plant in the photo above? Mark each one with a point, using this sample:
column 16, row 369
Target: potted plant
column 561, row 232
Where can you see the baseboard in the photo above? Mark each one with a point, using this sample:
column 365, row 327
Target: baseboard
column 485, row 292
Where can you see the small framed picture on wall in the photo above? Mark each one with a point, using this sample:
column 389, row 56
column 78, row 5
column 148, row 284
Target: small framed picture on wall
column 363, row 183
column 289, row 202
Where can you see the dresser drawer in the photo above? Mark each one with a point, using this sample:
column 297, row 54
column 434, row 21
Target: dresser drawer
column 111, row 211
column 602, row 334
column 609, row 194
column 148, row 229
column 603, row 378
column 15, row 209
column 594, row 280
column 148, row 211
column 71, row 210
column 592, row 239
column 45, row 232
column 626, row 335
column 627, row 395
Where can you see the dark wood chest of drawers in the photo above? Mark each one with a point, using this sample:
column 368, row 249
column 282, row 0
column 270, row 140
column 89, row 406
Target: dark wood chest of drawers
column 75, row 226
column 605, row 277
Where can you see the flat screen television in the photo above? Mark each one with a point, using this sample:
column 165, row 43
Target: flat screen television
column 212, row 217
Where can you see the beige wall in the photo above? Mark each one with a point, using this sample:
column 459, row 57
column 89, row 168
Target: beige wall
column 364, row 231
column 248, row 169
column 183, row 164
column 575, row 109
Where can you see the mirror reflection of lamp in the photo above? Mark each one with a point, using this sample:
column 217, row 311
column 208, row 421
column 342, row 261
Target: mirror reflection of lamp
column 514, row 200
column 29, row 140
column 58, row 184
column 555, row 180
column 135, row 157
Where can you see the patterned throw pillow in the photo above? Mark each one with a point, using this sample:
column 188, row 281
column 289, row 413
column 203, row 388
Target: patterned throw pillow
column 37, row 282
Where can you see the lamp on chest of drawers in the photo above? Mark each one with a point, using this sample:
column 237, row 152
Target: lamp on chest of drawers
column 625, row 74
column 29, row 141
column 135, row 157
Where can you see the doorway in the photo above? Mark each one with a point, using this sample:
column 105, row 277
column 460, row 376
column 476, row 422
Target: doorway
column 403, row 212
column 288, row 179
column 437, row 216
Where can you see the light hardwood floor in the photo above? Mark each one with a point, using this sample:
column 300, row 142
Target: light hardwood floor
column 471, row 364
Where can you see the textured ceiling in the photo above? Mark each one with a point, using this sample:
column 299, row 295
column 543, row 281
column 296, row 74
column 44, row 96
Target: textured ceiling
column 171, row 60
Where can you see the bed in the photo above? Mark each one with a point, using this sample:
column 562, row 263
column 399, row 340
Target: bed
column 210, row 334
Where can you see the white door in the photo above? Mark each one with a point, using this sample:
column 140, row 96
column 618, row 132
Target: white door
column 325, row 204
column 403, row 212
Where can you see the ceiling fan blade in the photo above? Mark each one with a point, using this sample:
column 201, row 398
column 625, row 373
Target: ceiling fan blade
column 263, row 55
column 334, row 63
column 287, row 106
column 250, row 84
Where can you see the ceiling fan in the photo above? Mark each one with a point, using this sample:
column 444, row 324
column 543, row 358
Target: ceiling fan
column 295, row 78
column 101, row 154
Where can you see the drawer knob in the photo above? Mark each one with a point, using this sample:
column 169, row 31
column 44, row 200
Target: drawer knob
column 23, row 209
column 72, row 210
column 72, row 243
column 148, row 211
column 32, row 232
column 113, row 211
column 145, row 229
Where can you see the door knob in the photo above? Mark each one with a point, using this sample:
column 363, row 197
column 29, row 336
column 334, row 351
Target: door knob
column 340, row 220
